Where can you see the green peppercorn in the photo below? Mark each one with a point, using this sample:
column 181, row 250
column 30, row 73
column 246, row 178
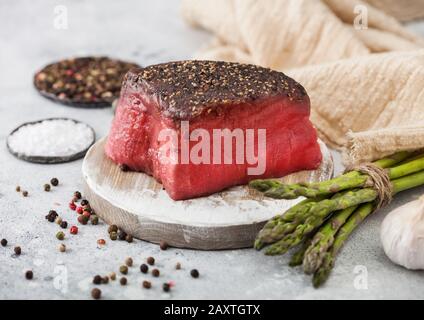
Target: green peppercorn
column 47, row 187
column 113, row 236
column 60, row 235
column 123, row 269
column 112, row 228
column 123, row 281
column 54, row 182
column 94, row 219
column 96, row 293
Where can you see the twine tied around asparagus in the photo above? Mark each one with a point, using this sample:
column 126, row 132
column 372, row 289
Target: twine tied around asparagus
column 379, row 181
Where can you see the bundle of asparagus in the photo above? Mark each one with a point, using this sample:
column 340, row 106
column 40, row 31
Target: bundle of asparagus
column 332, row 210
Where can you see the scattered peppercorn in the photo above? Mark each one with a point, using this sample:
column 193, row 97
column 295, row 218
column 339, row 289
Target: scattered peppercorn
column 163, row 245
column 155, row 272
column 178, row 266
column 123, row 269
column 72, row 206
column 84, row 202
column 73, row 230
column 112, row 276
column 105, row 280
column 113, row 236
column 122, row 235
column 58, row 220
column 101, row 242
column 63, row 224
column 96, row 293
column 79, row 210
column 18, row 189
column 25, row 193
column 77, row 195
column 123, row 281
column 112, row 228
column 144, row 268
column 54, row 182
column 17, row 250
column 147, row 284
column 3, row 242
column 62, row 247
column 94, row 220
column 82, row 219
column 29, row 275
column 129, row 261
column 97, row 279
column 194, row 273
column 47, row 187
column 129, row 238
column 60, row 235
column 86, row 214
column 151, row 261
column 166, row 287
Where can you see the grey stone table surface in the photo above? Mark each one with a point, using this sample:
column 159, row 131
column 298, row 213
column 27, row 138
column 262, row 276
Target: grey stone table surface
column 145, row 32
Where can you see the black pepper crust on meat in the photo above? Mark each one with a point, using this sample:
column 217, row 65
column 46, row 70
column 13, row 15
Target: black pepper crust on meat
column 186, row 89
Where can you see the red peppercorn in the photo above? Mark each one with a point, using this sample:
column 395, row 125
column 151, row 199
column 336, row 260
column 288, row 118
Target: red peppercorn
column 86, row 214
column 101, row 242
column 79, row 210
column 82, row 219
column 74, row 230
column 72, row 206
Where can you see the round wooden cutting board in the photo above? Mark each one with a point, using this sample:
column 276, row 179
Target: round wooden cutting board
column 138, row 204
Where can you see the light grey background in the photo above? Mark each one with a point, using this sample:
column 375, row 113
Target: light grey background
column 145, row 32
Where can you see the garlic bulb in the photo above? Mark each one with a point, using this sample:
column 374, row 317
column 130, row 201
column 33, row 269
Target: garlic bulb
column 402, row 235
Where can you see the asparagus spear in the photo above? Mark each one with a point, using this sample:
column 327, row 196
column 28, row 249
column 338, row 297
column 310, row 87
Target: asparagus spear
column 324, row 239
column 321, row 275
column 298, row 256
column 354, row 179
column 316, row 212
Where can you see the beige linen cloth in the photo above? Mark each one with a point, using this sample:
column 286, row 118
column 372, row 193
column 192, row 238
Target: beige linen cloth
column 364, row 72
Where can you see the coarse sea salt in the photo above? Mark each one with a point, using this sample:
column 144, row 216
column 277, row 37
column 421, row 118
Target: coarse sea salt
column 51, row 138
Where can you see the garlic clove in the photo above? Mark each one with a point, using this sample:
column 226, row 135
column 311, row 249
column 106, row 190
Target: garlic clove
column 402, row 235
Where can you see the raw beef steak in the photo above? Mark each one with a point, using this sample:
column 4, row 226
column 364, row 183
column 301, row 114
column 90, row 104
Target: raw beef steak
column 200, row 127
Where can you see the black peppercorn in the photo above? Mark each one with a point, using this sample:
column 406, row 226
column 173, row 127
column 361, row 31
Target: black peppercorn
column 151, row 261
column 105, row 280
column 29, row 275
column 97, row 279
column 25, row 193
column 18, row 189
column 123, row 281
column 124, row 167
column 163, row 245
column 155, row 273
column 122, row 235
column 17, row 250
column 47, row 187
column 63, row 224
column 166, row 287
column 77, row 195
column 54, row 182
column 84, row 202
column 96, row 293
column 147, row 284
column 129, row 238
column 144, row 268
column 194, row 273
column 3, row 242
column 178, row 266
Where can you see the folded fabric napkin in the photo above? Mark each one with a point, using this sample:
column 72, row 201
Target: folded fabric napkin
column 362, row 69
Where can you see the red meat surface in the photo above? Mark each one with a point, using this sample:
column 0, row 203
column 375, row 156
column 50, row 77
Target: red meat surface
column 211, row 95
